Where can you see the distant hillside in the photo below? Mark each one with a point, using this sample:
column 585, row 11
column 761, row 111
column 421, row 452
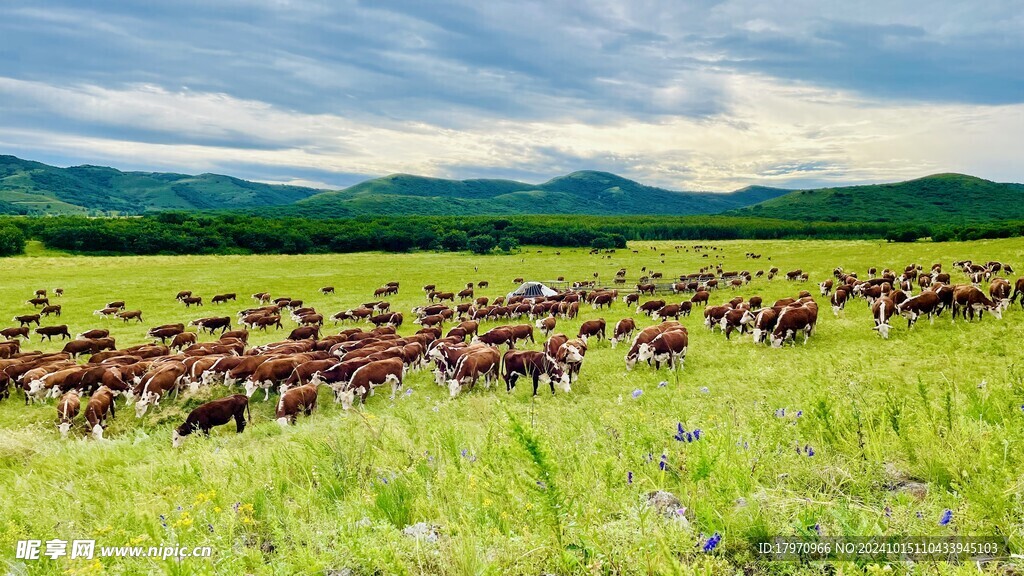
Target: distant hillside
column 28, row 187
column 585, row 192
column 938, row 198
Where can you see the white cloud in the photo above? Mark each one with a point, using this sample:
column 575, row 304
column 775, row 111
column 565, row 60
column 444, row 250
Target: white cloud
column 769, row 133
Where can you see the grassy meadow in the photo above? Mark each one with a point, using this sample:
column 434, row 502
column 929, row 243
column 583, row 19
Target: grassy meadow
column 901, row 430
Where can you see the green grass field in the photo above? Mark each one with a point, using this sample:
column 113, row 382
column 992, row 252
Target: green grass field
column 517, row 485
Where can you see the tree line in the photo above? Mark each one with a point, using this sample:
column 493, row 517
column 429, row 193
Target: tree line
column 196, row 233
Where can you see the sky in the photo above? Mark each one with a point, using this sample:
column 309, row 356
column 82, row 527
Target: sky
column 684, row 94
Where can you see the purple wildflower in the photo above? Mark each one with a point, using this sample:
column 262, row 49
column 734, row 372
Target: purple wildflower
column 637, row 393
column 210, row 528
column 799, row 413
column 663, row 383
column 236, row 505
column 817, row 528
column 664, row 462
column 163, row 521
column 629, row 477
column 947, row 517
column 712, row 542
column 780, row 413
column 888, row 512
column 464, row 453
column 808, row 450
column 696, row 433
column 408, row 391
column 648, row 457
column 681, row 432
column 705, row 389
column 919, row 515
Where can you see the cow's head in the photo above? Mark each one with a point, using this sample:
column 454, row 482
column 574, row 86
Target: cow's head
column 996, row 310
column 282, row 422
column 97, row 432
column 759, row 335
column 883, row 330
column 777, row 339
column 454, row 387
column 346, row 397
column 250, row 387
column 176, row 439
column 645, row 352
column 64, row 428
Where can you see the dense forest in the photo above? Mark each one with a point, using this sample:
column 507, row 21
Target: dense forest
column 195, row 233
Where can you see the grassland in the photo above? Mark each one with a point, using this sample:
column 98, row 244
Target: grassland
column 940, row 406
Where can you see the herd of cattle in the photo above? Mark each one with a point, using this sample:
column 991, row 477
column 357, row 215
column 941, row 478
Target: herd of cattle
column 354, row 361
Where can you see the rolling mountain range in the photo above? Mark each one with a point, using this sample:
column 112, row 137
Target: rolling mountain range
column 33, row 188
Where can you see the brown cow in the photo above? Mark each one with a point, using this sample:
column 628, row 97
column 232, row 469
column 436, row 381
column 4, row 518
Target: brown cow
column 48, row 332
column 387, row 319
column 67, row 409
column 221, row 298
column 15, row 332
column 101, row 404
column 793, row 319
column 190, row 300
column 154, row 385
column 214, row 413
column 972, row 300
column 300, row 399
column 669, row 346
column 591, row 328
column 912, row 308
column 376, row 373
column 182, row 340
column 305, row 333
column 37, row 302
column 130, row 315
column 536, row 365
column 623, row 330
column 48, row 310
column 483, row 361
column 27, row 319
column 95, row 333
column 882, row 309
column 269, row 373
column 700, row 298
column 546, row 325
column 650, row 307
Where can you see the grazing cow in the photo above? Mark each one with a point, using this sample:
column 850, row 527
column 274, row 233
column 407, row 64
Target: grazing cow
column 119, row 304
column 327, row 290
column 497, row 336
column 182, row 340
column 67, row 410
column 300, row 399
column 9, row 348
column 1018, row 290
column 305, row 333
column 631, row 298
column 218, row 412
column 999, row 290
column 883, row 309
column 570, row 355
column 164, row 332
column 376, row 373
column 669, row 346
column 213, row 324
column 58, row 291
column 700, row 298
column 736, row 319
column 838, row 301
column 546, row 325
column 763, row 323
column 972, row 300
column 100, row 406
column 130, row 315
column 27, row 319
column 88, row 346
column 644, row 337
column 483, row 361
column 791, row 320
column 261, row 297
column 154, row 385
column 646, row 288
column 650, row 307
column 107, row 312
column 623, row 330
column 912, row 308
column 48, row 332
column 269, row 373
column 47, row 310
column 667, row 311
column 183, row 294
column 37, row 302
column 387, row 319
column 221, row 298
column 592, row 328
column 536, row 365
column 10, row 333
column 826, row 287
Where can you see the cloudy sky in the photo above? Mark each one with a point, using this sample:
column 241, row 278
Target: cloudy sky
column 695, row 94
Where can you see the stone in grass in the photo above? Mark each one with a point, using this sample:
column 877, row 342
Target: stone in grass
column 898, row 481
column 666, row 504
column 422, row 531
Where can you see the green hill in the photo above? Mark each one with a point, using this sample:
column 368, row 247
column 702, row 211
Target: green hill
column 585, row 192
column 28, row 187
column 937, row 198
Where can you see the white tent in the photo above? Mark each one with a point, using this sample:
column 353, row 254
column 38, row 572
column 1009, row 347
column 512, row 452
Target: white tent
column 532, row 290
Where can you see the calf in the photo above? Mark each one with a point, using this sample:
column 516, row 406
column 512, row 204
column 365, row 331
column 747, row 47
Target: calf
column 623, row 330
column 67, row 409
column 882, row 309
column 536, row 365
column 130, row 315
column 546, row 325
column 214, row 413
column 100, row 406
column 301, row 399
